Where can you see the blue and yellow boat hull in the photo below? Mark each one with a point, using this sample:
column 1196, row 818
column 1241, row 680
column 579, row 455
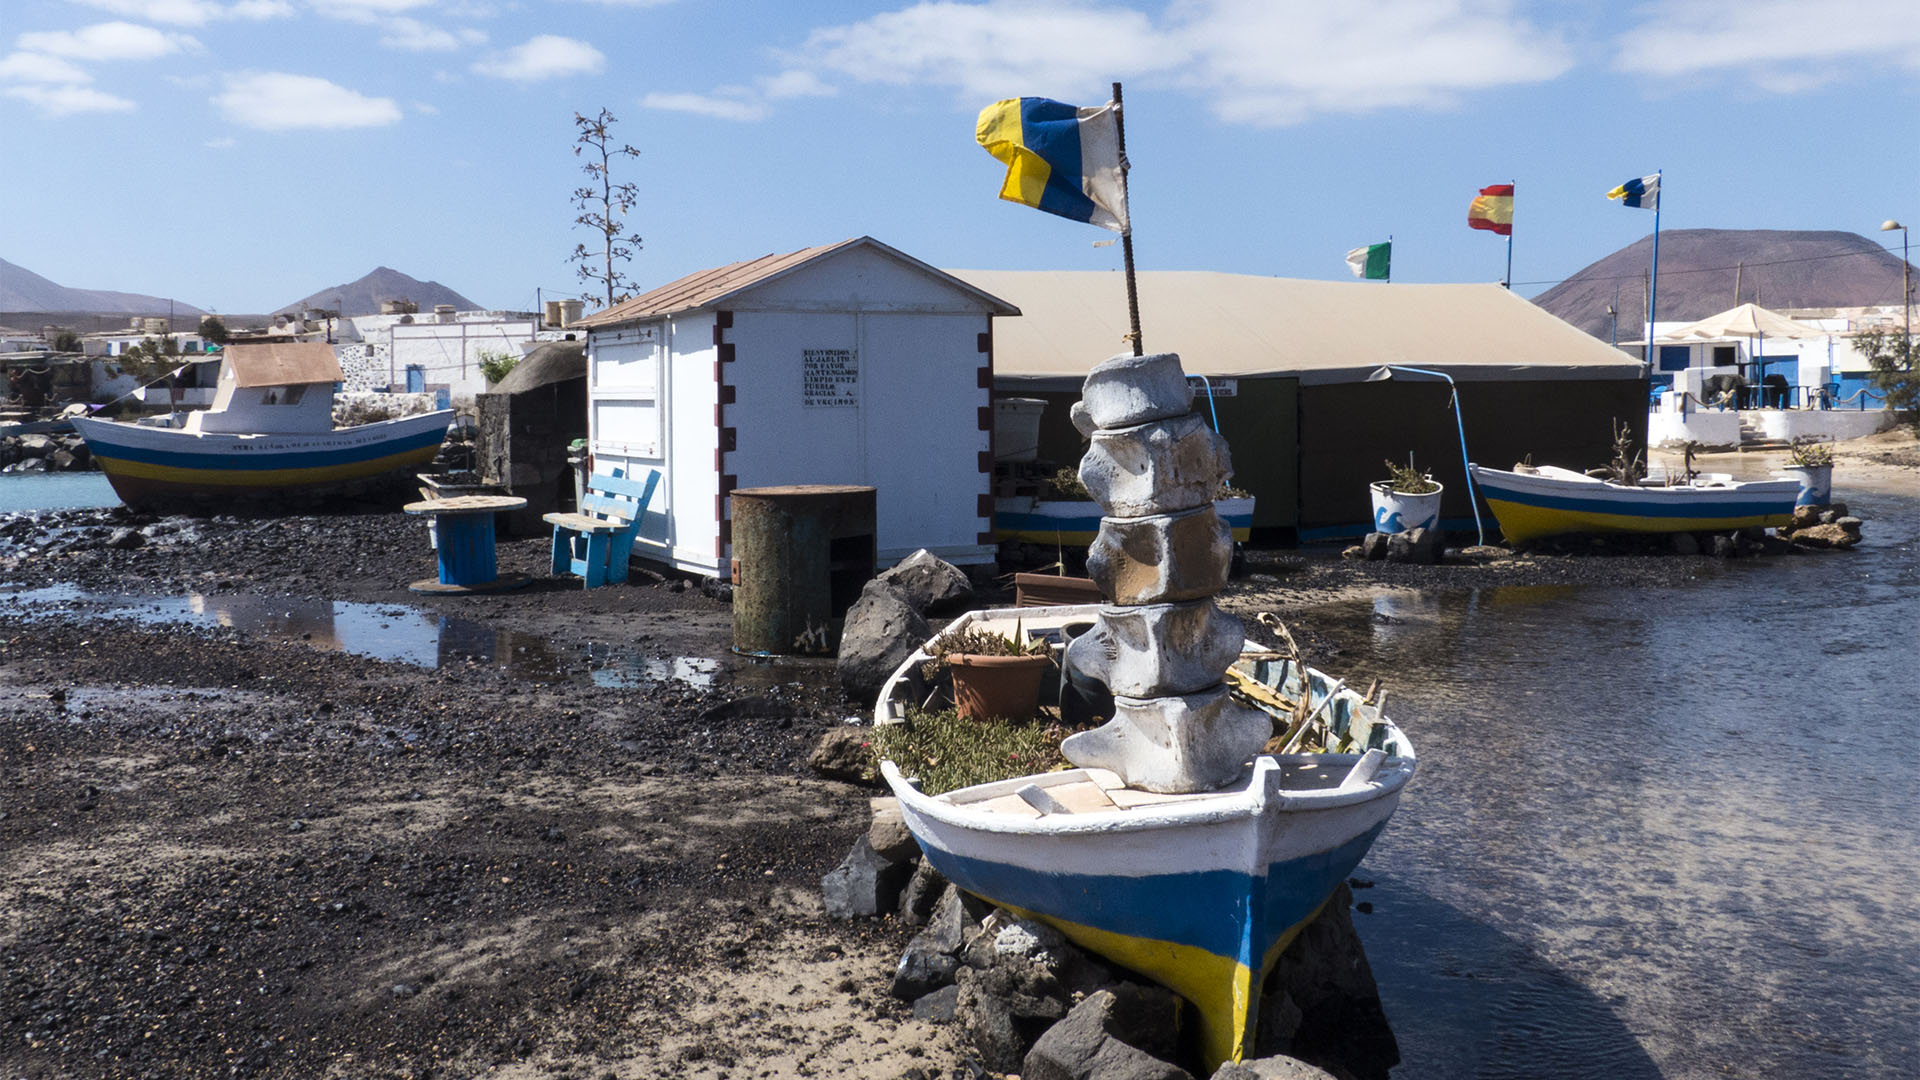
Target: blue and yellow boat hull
column 1554, row 502
column 156, row 466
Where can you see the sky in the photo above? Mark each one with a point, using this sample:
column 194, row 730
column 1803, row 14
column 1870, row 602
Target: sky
column 240, row 154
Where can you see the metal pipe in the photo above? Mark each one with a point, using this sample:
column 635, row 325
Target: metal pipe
column 1385, row 371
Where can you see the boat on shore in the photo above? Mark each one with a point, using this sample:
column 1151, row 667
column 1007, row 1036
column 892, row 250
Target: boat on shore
column 1531, row 502
column 268, row 437
column 1201, row 891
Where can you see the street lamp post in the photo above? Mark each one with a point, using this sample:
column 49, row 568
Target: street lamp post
column 1385, row 372
column 1906, row 285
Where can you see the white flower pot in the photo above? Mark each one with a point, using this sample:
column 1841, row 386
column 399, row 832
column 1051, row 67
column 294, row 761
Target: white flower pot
column 1396, row 511
column 1816, row 484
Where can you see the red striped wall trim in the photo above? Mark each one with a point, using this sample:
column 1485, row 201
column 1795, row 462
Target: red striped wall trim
column 986, row 461
column 729, row 441
column 986, row 418
column 726, row 394
column 983, row 538
column 725, row 438
column 983, row 504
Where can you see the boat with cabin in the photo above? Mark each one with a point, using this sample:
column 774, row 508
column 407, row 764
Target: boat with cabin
column 1531, row 502
column 1201, row 891
column 268, row 436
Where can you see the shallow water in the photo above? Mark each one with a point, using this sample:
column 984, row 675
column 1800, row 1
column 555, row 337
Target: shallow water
column 410, row 635
column 55, row 491
column 1657, row 831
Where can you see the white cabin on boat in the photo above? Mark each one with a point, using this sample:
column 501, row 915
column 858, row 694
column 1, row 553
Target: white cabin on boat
column 285, row 387
column 850, row 363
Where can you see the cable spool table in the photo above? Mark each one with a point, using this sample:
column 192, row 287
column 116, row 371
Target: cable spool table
column 463, row 527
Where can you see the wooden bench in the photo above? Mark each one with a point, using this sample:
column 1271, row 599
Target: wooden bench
column 597, row 542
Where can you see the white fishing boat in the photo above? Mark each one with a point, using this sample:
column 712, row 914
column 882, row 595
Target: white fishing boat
column 1536, row 501
column 269, row 435
column 1200, row 891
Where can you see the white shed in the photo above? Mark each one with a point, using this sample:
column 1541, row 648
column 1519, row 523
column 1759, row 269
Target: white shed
column 851, row 363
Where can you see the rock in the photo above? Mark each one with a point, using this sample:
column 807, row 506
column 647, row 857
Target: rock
column 1271, row 1068
column 882, row 629
column 863, row 884
column 1162, row 467
column 921, row 899
column 1837, row 509
column 1724, row 546
column 1209, row 734
column 1375, row 546
column 1096, row 1041
column 1425, row 546
column 940, row 1005
column 1165, row 650
column 1125, row 390
column 924, row 967
column 1804, row 516
column 1354, row 551
column 1399, row 547
column 1685, row 544
column 929, row 583
column 1851, row 524
column 1485, row 551
column 126, row 539
column 35, row 446
column 845, row 753
column 1774, row 545
column 1825, row 536
column 61, row 459
column 1164, row 558
column 717, row 589
column 1000, row 1015
column 888, row 831
column 1324, row 975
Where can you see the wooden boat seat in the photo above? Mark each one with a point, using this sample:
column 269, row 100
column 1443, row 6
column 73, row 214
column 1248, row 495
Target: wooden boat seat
column 597, row 542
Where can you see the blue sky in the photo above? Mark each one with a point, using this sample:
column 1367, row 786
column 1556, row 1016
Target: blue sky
column 239, row 154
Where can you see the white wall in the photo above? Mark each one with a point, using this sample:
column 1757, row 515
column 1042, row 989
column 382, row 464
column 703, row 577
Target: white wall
column 449, row 353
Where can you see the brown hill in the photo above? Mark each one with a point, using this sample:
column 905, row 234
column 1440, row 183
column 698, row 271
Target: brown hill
column 363, row 297
column 1700, row 268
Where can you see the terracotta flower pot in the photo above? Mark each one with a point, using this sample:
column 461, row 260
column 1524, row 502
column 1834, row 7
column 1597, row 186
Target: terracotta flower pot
column 1008, row 687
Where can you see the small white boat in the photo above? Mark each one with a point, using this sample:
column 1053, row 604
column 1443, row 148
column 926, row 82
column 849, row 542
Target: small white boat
column 1537, row 501
column 268, row 435
column 1201, row 892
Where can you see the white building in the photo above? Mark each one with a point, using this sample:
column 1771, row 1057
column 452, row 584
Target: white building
column 437, row 351
column 851, row 363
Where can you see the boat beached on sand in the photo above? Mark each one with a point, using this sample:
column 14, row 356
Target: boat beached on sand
column 1199, row 891
column 1531, row 502
column 268, row 436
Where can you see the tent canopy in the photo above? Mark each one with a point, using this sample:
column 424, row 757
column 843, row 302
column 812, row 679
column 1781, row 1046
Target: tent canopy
column 1745, row 321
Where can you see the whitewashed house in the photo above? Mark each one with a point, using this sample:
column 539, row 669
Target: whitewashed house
column 851, row 363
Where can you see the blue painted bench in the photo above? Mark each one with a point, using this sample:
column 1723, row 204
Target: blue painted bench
column 597, row 542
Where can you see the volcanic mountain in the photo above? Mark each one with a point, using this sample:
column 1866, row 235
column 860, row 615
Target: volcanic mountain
column 363, row 297
column 1706, row 271
column 23, row 290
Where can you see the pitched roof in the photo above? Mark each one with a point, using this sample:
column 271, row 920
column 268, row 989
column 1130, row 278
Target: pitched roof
column 1321, row 331
column 708, row 288
column 283, row 363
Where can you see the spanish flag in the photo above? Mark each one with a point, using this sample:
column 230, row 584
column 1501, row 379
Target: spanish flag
column 1060, row 158
column 1493, row 210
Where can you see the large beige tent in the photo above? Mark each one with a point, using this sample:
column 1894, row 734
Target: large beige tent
column 1317, row 331
column 1289, row 360
column 1746, row 321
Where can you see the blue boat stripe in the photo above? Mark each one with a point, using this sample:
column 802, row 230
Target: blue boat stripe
column 1662, row 508
column 251, row 462
column 1207, row 910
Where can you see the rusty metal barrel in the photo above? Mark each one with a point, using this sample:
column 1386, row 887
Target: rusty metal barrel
column 801, row 554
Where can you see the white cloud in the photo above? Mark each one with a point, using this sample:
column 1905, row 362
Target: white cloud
column 108, row 41
column 66, row 100
column 426, row 109
column 718, row 106
column 350, row 8
column 634, row 3
column 37, row 68
column 192, row 12
column 1784, row 45
column 224, row 142
column 1260, row 62
column 412, row 35
column 277, row 101
column 991, row 50
column 795, row 83
column 546, row 56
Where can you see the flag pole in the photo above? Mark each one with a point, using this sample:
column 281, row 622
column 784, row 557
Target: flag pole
column 1653, row 281
column 1509, row 282
column 1126, row 235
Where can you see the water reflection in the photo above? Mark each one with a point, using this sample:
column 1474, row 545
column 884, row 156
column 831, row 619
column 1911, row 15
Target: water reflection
column 422, row 638
column 1660, row 830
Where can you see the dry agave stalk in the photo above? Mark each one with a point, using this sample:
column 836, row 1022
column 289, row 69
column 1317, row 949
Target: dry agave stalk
column 1629, row 464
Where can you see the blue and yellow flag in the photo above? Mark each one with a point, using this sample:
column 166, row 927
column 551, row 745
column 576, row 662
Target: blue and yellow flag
column 1060, row 158
column 1643, row 193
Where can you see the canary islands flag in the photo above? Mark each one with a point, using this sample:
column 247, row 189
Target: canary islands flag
column 1493, row 210
column 1373, row 262
column 1061, row 159
column 1643, row 193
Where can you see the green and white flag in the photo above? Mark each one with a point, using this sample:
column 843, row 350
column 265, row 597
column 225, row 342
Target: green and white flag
column 1372, row 262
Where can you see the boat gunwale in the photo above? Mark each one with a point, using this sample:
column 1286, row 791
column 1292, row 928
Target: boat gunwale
column 210, row 441
column 1589, row 486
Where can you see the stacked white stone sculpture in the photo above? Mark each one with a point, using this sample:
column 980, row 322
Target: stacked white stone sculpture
column 1161, row 646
